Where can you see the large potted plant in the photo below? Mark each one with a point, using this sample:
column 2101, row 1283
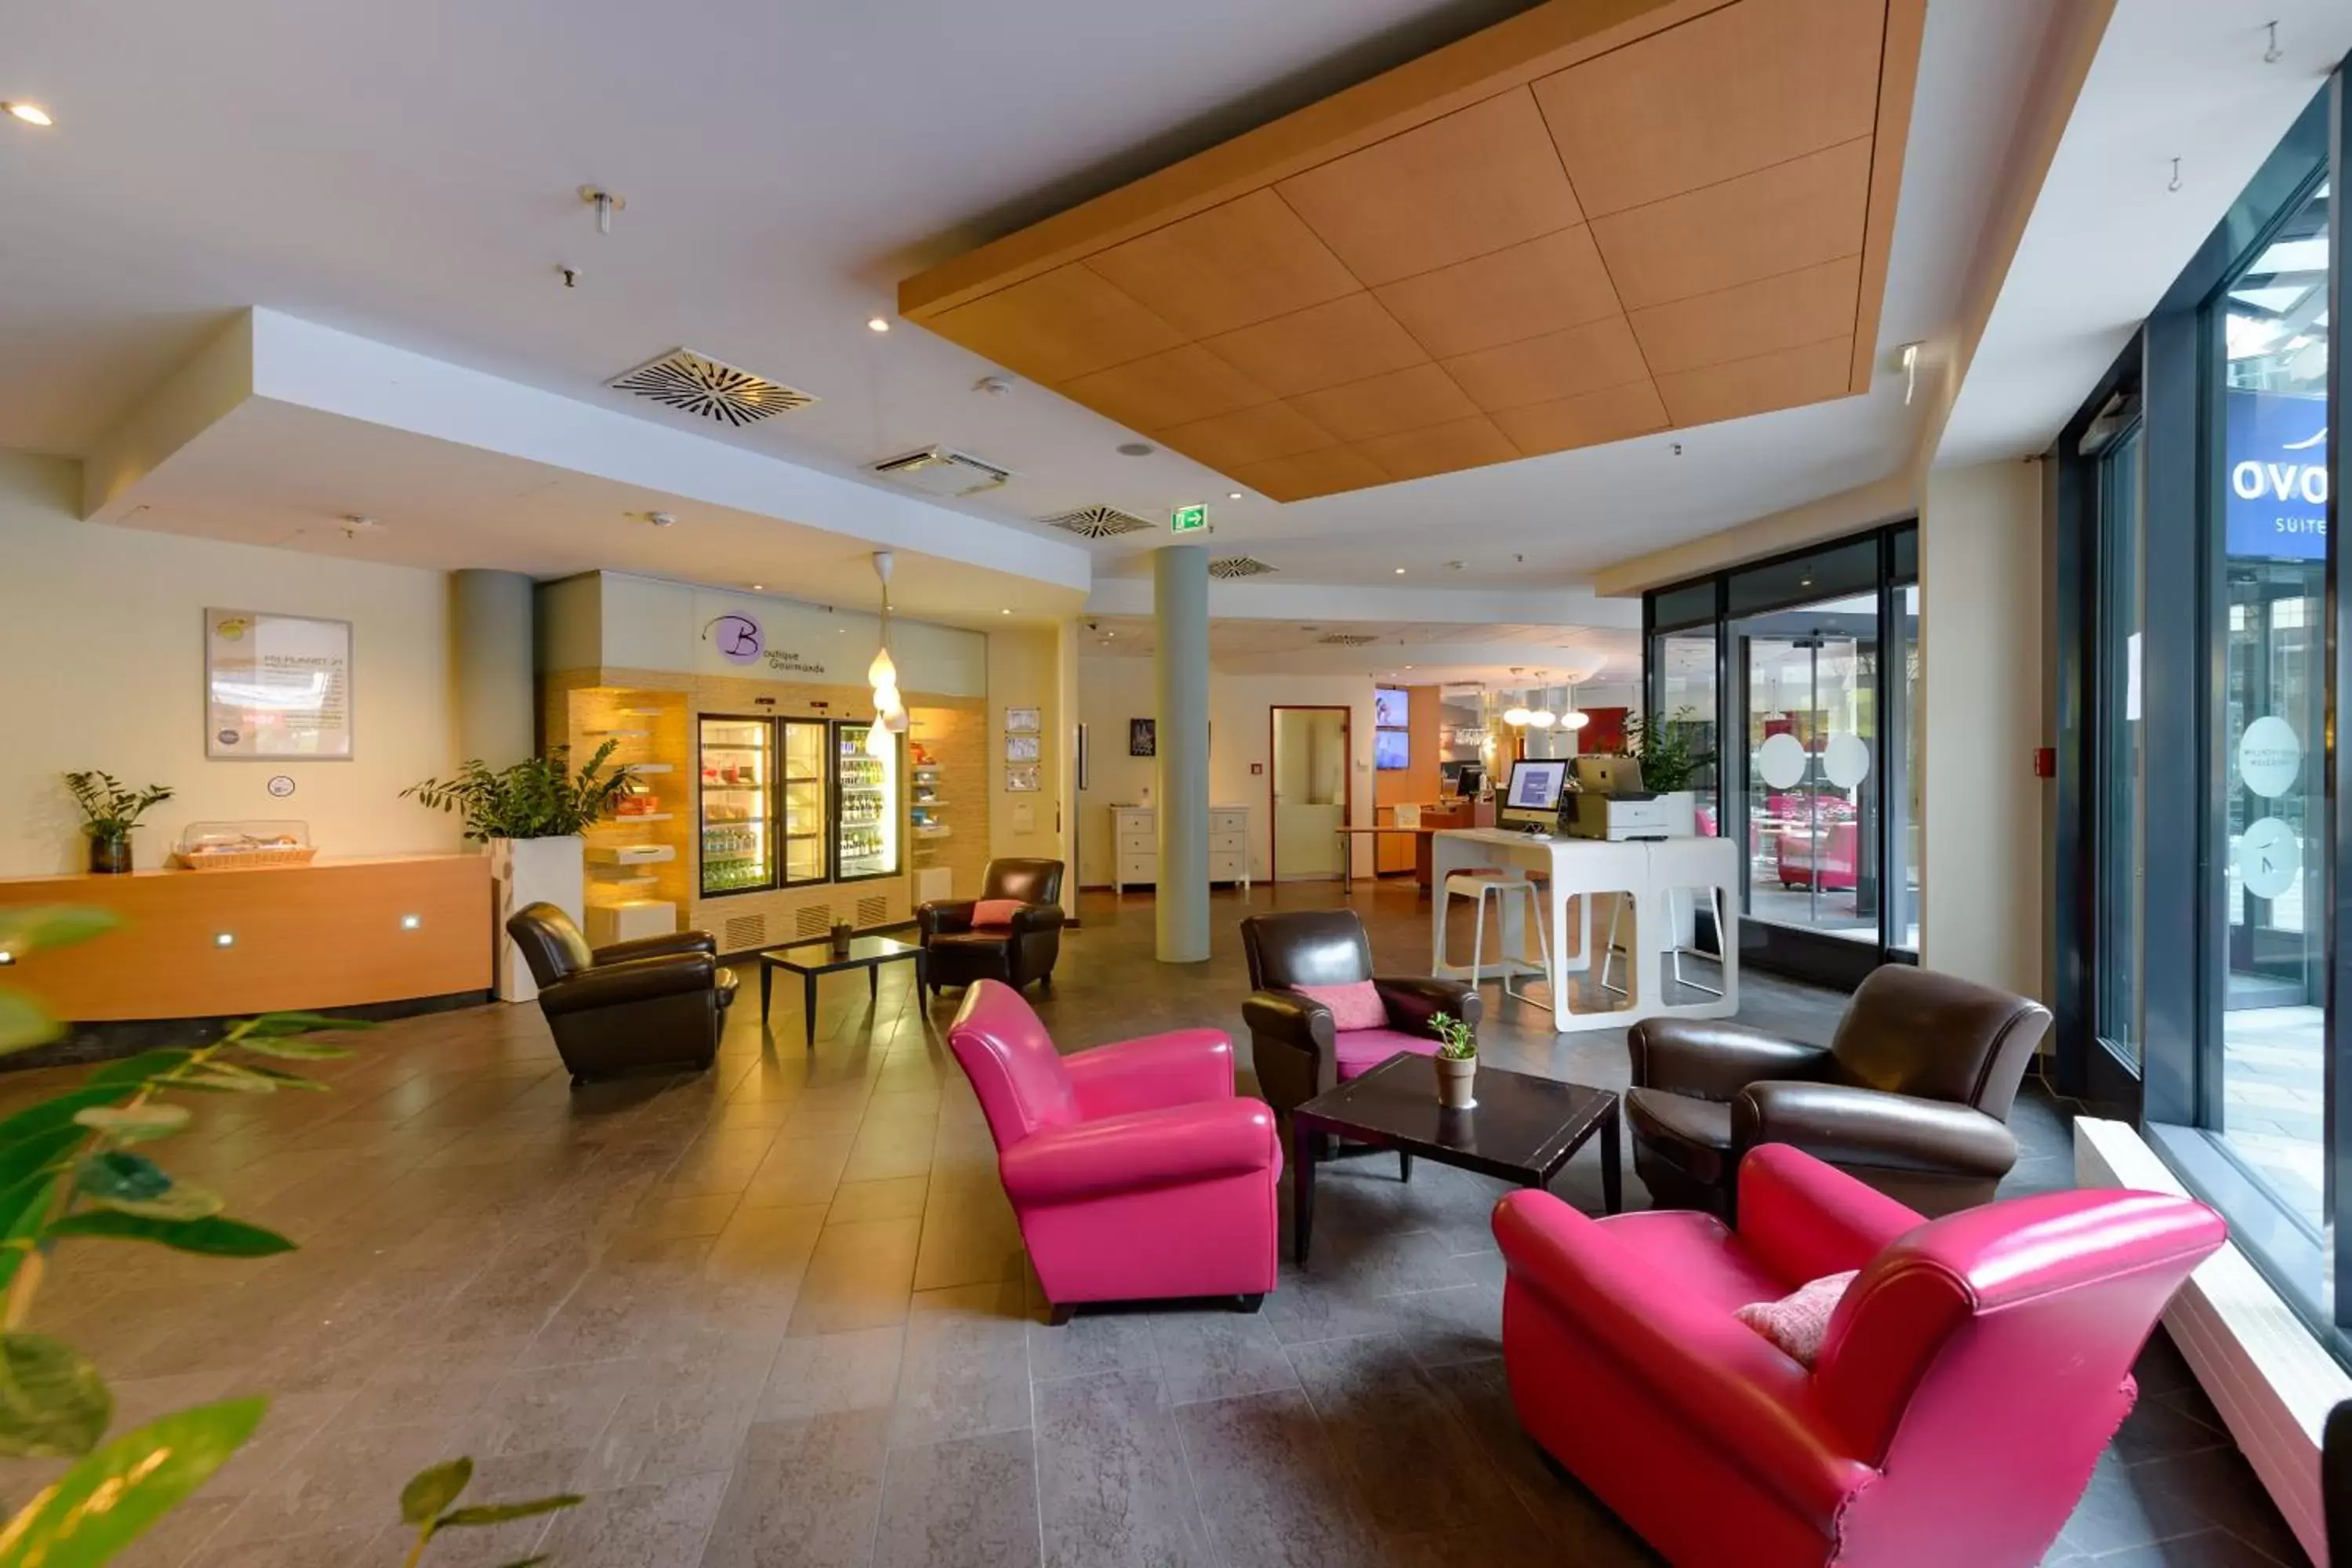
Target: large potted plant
column 1663, row 748
column 109, row 813
column 531, row 815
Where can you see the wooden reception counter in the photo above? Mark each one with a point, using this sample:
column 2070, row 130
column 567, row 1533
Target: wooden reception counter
column 212, row 944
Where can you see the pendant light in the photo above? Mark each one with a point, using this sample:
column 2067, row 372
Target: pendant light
column 1542, row 718
column 1574, row 718
column 1517, row 715
column 889, row 711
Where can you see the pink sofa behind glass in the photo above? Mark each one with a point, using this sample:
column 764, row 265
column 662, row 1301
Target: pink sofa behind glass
column 1135, row 1170
column 1970, row 1377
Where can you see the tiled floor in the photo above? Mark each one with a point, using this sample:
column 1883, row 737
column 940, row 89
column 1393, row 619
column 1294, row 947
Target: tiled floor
column 779, row 1314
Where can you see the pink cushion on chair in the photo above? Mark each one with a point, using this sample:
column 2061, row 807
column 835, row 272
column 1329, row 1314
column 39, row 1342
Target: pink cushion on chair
column 996, row 911
column 1355, row 1005
column 1799, row 1320
column 1358, row 1051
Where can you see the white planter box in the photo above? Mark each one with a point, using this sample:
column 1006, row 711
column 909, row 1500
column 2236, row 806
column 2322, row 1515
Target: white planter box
column 525, row 871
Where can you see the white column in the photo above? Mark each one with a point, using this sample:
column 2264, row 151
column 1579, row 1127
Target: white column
column 1180, row 604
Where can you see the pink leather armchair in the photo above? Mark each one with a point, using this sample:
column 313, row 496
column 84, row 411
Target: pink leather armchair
column 1134, row 1170
column 1970, row 1377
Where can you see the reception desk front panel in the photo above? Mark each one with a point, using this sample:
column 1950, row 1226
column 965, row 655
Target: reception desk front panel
column 209, row 944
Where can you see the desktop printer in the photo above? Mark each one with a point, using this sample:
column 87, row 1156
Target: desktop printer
column 1608, row 802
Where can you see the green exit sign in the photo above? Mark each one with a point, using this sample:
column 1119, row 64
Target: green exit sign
column 1189, row 518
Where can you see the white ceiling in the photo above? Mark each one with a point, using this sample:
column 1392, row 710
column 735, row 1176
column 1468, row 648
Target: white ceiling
column 410, row 172
column 2182, row 78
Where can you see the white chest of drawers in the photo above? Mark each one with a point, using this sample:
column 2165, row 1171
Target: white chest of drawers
column 1135, row 846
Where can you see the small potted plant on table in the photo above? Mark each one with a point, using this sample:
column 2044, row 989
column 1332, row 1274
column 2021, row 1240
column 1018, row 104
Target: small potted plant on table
column 1456, row 1062
column 109, row 813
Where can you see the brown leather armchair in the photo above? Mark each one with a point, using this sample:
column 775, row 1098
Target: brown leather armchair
column 1295, row 1050
column 1912, row 1094
column 957, row 953
column 659, row 1001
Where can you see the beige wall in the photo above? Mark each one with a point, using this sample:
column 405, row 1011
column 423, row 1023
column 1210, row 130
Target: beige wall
column 101, row 630
column 1982, row 626
column 1025, row 671
column 1111, row 690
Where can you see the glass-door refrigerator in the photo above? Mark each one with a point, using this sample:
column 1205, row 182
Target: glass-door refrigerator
column 807, row 800
column 735, row 767
column 869, row 810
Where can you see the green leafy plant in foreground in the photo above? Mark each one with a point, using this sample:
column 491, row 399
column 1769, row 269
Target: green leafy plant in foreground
column 538, row 797
column 73, row 1168
column 1457, row 1041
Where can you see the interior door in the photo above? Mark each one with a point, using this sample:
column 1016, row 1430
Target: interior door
column 1310, row 791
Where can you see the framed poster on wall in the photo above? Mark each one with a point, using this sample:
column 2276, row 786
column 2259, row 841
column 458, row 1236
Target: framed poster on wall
column 275, row 686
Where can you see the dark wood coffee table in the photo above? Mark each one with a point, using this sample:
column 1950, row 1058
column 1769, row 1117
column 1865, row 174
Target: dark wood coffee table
column 1524, row 1129
column 810, row 959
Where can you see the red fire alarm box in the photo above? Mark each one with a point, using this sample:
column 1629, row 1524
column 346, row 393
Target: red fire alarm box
column 2046, row 762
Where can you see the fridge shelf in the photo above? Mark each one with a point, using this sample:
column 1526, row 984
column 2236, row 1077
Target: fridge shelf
column 640, row 817
column 647, row 768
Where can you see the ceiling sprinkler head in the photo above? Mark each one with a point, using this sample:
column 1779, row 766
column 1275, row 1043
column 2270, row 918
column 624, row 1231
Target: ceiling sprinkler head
column 571, row 276
column 660, row 519
column 1678, row 449
column 994, row 385
column 355, row 524
column 605, row 203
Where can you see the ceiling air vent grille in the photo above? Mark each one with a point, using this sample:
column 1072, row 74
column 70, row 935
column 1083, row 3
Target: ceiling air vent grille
column 1232, row 566
column 944, row 471
column 812, row 920
column 1097, row 522
column 697, row 383
column 1347, row 639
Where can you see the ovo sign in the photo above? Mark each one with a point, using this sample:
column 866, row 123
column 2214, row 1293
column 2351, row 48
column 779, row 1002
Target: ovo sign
column 2277, row 455
column 2280, row 481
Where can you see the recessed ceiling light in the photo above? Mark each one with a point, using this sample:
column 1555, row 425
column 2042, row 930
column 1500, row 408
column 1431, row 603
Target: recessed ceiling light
column 1003, row 612
column 30, row 113
column 758, row 587
column 877, row 324
column 1400, row 571
column 1232, row 495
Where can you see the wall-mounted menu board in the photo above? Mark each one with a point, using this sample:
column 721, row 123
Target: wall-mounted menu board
column 276, row 686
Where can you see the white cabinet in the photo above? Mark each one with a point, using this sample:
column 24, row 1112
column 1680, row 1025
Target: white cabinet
column 1135, row 846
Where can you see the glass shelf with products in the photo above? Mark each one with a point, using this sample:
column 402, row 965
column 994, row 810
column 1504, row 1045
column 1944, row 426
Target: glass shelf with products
column 865, row 790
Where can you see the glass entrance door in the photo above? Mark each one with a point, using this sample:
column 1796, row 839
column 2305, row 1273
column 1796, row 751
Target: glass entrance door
column 1811, row 811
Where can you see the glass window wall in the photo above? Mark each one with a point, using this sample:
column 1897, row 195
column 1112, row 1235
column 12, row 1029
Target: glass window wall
column 2199, row 983
column 1800, row 681
column 2272, row 323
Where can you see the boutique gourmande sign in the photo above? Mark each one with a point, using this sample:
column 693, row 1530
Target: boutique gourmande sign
column 774, row 638
column 2276, row 452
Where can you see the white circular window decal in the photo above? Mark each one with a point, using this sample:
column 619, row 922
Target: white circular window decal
column 2270, row 757
column 1847, row 760
column 2270, row 858
column 1780, row 761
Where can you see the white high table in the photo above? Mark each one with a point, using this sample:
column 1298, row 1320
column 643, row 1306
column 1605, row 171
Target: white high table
column 1650, row 871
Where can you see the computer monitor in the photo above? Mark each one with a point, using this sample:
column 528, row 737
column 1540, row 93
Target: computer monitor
column 1469, row 778
column 1610, row 775
column 1533, row 798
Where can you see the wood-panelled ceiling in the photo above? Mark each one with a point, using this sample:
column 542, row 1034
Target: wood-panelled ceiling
column 1600, row 219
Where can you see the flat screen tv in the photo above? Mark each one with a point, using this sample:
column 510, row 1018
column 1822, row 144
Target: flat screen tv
column 1392, row 750
column 1391, row 708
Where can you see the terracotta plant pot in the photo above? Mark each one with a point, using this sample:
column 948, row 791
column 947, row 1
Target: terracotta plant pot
column 1456, row 1079
column 109, row 856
